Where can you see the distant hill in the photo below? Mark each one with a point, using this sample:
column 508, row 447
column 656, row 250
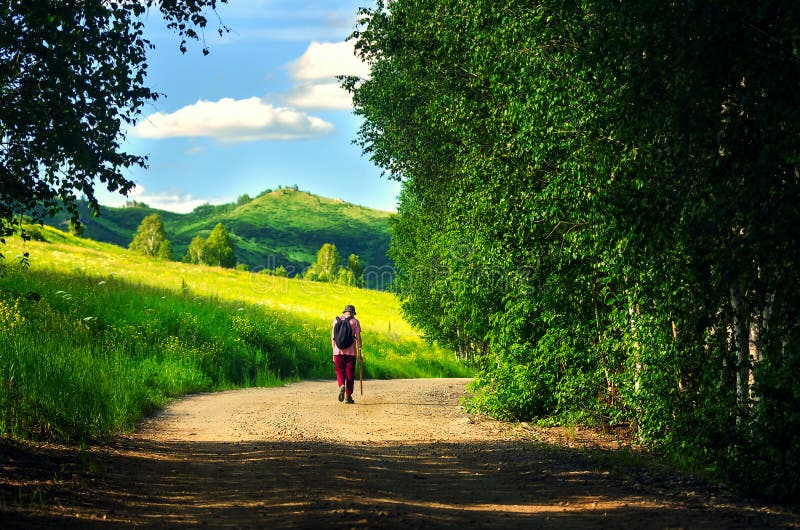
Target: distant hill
column 282, row 227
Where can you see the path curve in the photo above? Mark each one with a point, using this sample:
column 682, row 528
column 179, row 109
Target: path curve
column 405, row 455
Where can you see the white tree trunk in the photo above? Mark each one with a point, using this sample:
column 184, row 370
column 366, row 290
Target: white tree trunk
column 759, row 328
column 741, row 345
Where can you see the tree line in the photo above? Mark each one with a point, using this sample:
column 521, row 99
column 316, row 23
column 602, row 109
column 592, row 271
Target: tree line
column 600, row 207
column 218, row 250
column 327, row 268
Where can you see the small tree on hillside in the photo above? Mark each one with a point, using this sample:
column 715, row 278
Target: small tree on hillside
column 150, row 239
column 76, row 227
column 197, row 251
column 345, row 277
column 219, row 248
column 357, row 269
column 324, row 270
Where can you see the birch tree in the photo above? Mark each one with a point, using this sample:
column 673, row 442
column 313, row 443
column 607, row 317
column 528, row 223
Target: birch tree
column 600, row 203
column 151, row 239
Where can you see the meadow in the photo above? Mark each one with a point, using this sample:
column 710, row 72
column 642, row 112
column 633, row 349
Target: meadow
column 93, row 338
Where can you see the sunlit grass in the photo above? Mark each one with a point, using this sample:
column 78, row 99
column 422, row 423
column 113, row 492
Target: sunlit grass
column 310, row 299
column 93, row 337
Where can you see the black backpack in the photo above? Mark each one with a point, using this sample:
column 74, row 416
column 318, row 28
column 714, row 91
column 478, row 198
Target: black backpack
column 343, row 333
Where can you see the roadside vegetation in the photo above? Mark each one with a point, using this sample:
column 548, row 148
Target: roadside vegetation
column 94, row 337
column 599, row 206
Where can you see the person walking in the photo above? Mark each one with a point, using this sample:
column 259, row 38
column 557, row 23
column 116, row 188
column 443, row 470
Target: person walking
column 346, row 349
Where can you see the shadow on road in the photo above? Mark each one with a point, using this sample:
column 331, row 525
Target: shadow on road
column 321, row 485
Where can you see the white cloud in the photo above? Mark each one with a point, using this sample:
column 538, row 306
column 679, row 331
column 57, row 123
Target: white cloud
column 230, row 120
column 329, row 96
column 171, row 201
column 315, row 72
column 326, row 60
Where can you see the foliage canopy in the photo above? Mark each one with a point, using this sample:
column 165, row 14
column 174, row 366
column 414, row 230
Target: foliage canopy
column 599, row 207
column 150, row 239
column 327, row 268
column 217, row 250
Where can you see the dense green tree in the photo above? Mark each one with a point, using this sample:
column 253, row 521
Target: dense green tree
column 150, row 238
column 76, row 228
column 344, row 276
column 356, row 269
column 71, row 81
column 196, row 251
column 219, row 248
column 598, row 206
column 326, row 268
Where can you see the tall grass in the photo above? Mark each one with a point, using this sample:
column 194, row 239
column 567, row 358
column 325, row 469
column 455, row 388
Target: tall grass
column 93, row 338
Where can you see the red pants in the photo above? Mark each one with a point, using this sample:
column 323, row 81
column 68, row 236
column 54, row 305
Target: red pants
column 345, row 372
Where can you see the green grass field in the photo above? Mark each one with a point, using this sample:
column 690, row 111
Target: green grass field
column 93, row 337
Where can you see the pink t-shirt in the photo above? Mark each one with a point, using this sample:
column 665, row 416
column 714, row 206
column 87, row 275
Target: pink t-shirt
column 355, row 325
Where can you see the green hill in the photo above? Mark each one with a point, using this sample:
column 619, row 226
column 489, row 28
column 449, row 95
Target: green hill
column 282, row 227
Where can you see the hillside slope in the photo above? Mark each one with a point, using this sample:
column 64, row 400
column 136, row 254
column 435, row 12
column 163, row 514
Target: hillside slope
column 282, row 227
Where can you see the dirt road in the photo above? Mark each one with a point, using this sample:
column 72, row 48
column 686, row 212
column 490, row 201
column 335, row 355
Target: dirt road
column 405, row 455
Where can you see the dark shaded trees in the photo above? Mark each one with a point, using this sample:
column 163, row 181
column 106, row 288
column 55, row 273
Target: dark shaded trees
column 599, row 205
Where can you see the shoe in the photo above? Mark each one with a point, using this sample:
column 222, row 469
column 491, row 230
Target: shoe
column 341, row 393
column 349, row 400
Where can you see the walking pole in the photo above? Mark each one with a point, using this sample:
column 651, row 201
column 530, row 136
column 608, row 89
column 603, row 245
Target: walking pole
column 361, row 374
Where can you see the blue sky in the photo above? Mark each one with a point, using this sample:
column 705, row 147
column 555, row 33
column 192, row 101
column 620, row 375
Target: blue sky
column 262, row 110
